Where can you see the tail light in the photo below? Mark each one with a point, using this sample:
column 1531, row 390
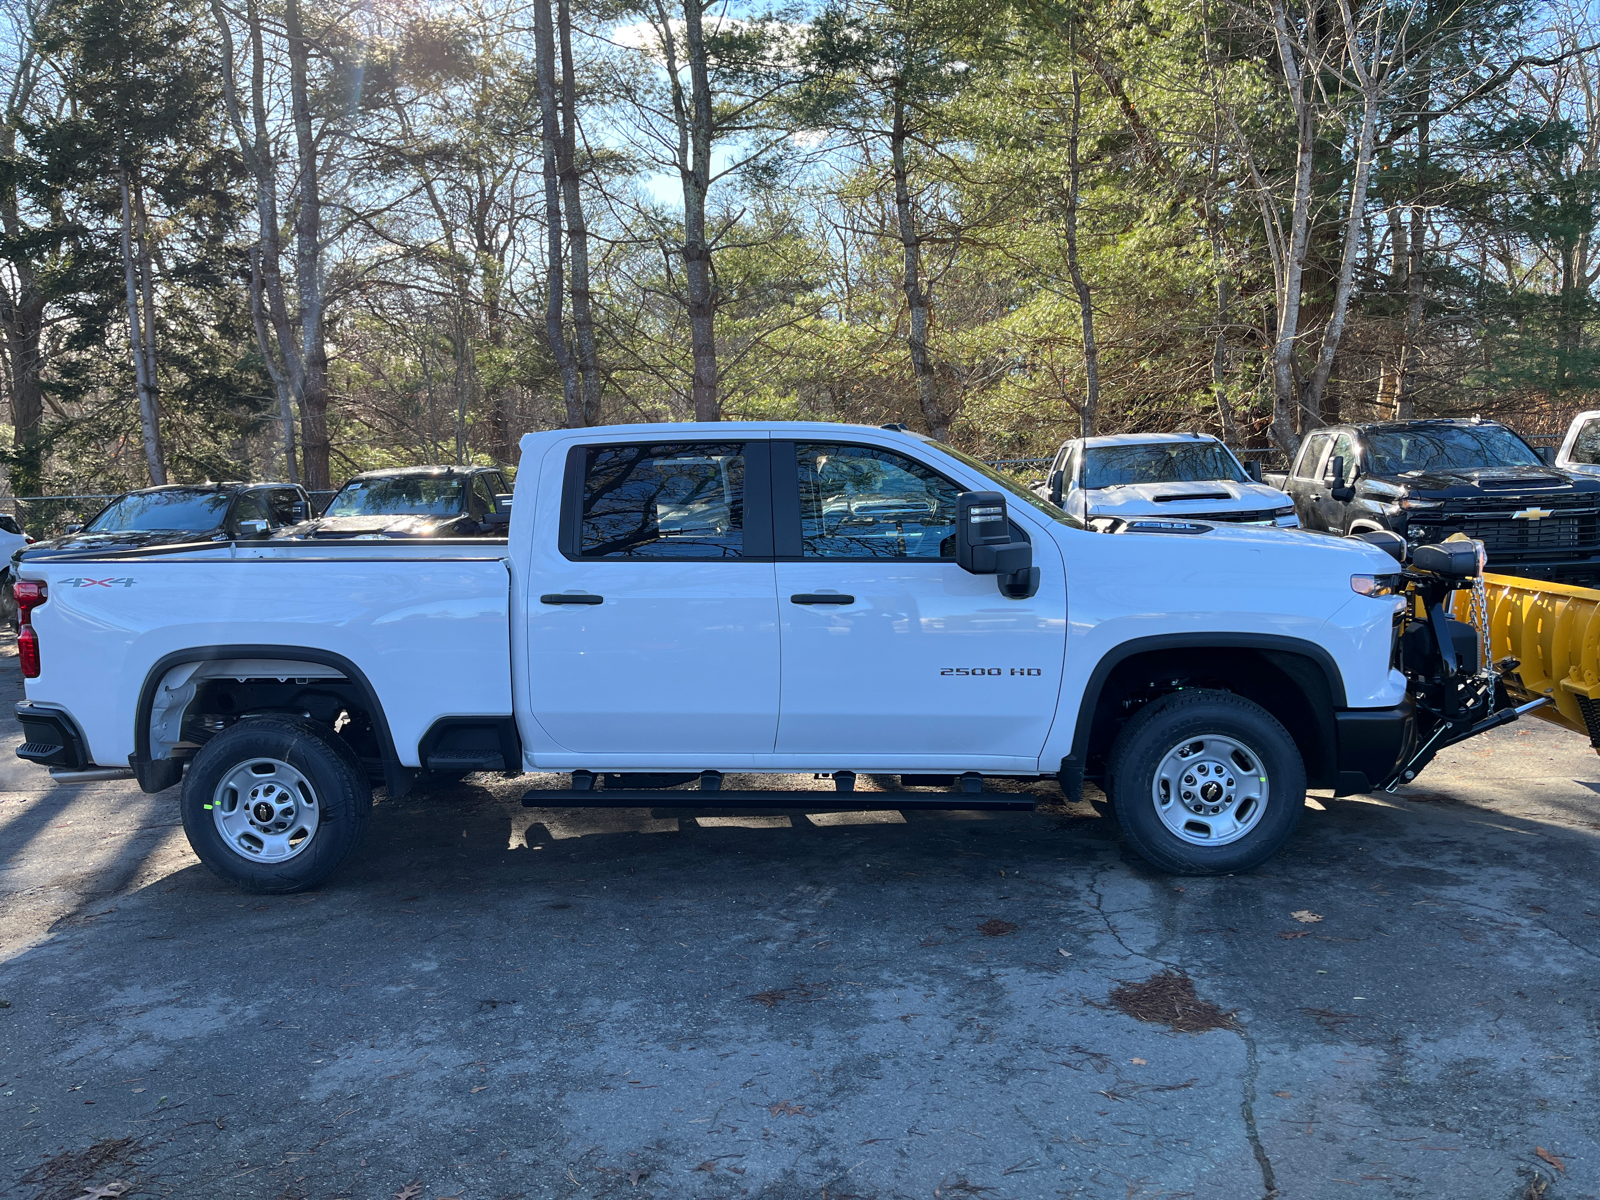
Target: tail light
column 28, row 537
column 28, row 651
column 29, row 593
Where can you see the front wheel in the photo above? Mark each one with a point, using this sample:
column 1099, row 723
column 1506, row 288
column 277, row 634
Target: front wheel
column 1206, row 783
column 275, row 804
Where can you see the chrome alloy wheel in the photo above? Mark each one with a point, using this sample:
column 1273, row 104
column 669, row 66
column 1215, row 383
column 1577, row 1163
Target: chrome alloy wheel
column 265, row 810
column 1210, row 790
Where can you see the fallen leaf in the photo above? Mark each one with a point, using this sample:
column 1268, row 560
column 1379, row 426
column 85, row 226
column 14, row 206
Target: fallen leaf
column 1140, row 1062
column 1284, row 1095
column 635, row 1175
column 410, row 1192
column 571, row 1176
column 1552, row 1159
column 708, row 1167
column 106, row 1191
column 995, row 927
column 480, row 1088
column 784, row 1109
column 1063, row 953
column 1305, row 916
column 1291, row 934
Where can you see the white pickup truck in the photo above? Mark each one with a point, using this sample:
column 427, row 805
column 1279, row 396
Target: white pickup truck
column 680, row 602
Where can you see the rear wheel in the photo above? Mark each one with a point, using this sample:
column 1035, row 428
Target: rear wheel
column 1205, row 783
column 275, row 804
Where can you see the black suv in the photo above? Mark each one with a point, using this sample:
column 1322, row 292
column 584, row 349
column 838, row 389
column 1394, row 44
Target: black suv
column 1429, row 479
column 411, row 502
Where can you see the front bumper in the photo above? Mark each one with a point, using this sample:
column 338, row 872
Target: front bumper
column 1372, row 743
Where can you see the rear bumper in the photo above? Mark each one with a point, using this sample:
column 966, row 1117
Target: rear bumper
column 1372, row 742
column 50, row 738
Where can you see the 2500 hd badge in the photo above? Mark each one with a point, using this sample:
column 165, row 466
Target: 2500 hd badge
column 990, row 671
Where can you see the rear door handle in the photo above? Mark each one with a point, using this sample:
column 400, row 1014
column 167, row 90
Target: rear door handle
column 821, row 598
column 570, row 598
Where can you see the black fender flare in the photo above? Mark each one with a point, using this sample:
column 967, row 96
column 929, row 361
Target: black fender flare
column 397, row 778
column 1118, row 654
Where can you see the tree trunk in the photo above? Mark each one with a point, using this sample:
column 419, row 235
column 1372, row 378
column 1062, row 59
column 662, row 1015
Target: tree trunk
column 149, row 415
column 308, row 260
column 555, row 282
column 1284, row 392
column 1355, row 224
column 917, row 299
column 1090, row 409
column 280, row 382
column 22, row 319
column 1416, row 267
column 696, row 174
column 577, row 226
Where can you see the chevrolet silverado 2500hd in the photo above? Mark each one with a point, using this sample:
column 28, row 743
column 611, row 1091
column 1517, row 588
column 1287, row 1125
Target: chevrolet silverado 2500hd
column 682, row 601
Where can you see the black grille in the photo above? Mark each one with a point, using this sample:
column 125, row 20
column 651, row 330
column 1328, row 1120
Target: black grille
column 1561, row 531
column 1265, row 514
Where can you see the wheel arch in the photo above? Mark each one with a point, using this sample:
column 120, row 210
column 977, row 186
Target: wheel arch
column 153, row 775
column 1296, row 680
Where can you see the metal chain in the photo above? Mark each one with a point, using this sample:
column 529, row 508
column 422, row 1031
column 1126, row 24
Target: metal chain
column 1479, row 615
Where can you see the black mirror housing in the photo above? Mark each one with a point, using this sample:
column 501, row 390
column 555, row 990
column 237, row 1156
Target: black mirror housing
column 299, row 511
column 1057, row 484
column 1252, row 469
column 984, row 545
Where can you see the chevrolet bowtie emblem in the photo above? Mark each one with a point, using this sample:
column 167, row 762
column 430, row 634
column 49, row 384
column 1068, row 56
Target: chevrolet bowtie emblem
column 1532, row 514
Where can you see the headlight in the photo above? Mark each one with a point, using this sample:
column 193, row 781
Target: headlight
column 1409, row 503
column 1286, row 511
column 1375, row 585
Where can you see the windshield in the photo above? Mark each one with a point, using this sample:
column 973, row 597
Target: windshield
column 1447, row 447
column 181, row 511
column 1005, row 481
column 399, row 496
column 1159, row 462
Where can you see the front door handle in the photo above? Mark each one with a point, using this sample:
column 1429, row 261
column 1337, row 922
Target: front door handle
column 821, row 598
column 570, row 598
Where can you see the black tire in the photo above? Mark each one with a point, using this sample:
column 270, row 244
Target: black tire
column 1161, row 728
column 342, row 794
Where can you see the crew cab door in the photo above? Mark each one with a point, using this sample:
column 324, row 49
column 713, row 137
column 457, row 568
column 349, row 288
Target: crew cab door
column 1304, row 484
column 890, row 650
column 1334, row 515
column 652, row 615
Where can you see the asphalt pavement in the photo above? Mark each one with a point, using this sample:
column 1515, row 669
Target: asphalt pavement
column 492, row 1002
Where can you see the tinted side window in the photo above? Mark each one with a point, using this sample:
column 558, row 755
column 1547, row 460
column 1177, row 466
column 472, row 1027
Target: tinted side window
column 863, row 502
column 281, row 502
column 1344, row 446
column 250, row 506
column 663, row 501
column 482, row 499
column 1586, row 446
column 1305, row 467
column 9, row 524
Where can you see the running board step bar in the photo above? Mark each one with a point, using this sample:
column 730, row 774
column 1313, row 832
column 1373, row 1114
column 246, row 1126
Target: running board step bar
column 810, row 801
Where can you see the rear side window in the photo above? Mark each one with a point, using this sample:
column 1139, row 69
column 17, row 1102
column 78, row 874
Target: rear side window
column 1305, row 467
column 282, row 502
column 665, row 501
column 9, row 525
column 1586, row 446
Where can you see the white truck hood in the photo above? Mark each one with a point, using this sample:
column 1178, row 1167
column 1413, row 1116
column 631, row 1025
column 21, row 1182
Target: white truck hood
column 1185, row 499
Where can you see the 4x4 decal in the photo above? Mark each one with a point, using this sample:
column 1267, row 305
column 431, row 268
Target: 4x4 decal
column 126, row 582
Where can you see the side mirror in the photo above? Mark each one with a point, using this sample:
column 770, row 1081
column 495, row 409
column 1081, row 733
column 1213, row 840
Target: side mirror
column 1252, row 469
column 253, row 528
column 299, row 511
column 1057, row 483
column 502, row 501
column 500, row 519
column 1340, row 491
column 78, row 528
column 1547, row 455
column 984, row 545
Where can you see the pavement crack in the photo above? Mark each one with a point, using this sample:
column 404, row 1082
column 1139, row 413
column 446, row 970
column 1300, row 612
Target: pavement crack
column 1247, row 1110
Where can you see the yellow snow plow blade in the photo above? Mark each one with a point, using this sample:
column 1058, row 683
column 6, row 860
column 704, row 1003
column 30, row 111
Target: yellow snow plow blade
column 1553, row 631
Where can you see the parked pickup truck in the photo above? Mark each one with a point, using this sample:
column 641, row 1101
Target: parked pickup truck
column 1429, row 479
column 681, row 602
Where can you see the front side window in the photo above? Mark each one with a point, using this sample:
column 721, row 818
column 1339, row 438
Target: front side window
column 282, row 505
column 250, row 506
column 482, row 498
column 676, row 501
column 1344, row 446
column 180, row 510
column 1586, row 446
column 1447, row 447
column 863, row 502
